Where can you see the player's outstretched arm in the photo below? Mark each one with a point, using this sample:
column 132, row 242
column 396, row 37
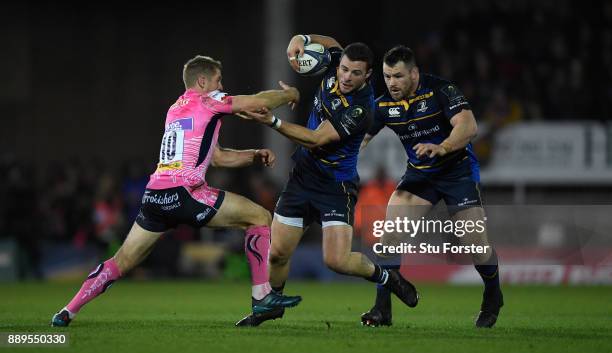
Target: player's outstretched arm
column 323, row 135
column 296, row 45
column 229, row 158
column 266, row 99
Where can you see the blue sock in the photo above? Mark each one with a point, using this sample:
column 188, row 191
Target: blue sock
column 379, row 276
column 489, row 272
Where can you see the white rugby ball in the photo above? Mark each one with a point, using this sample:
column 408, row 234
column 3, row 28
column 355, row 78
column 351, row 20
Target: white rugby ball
column 315, row 61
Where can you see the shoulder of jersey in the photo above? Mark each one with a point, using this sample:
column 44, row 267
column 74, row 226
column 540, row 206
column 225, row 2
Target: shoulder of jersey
column 217, row 95
column 382, row 99
column 329, row 80
column 365, row 95
column 335, row 50
column 433, row 82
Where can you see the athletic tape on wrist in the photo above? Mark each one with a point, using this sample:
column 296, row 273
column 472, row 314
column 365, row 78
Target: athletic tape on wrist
column 276, row 123
column 306, row 38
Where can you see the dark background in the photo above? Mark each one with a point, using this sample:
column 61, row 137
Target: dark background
column 81, row 79
column 85, row 87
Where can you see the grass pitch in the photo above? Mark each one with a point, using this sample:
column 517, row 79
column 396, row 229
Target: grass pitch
column 199, row 317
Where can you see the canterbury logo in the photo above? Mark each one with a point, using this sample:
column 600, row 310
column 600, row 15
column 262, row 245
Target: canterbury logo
column 395, row 111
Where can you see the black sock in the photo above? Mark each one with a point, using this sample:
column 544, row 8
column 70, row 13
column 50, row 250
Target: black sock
column 279, row 289
column 489, row 272
column 380, row 275
column 383, row 294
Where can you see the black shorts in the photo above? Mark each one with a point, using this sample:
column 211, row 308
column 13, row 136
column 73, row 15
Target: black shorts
column 307, row 198
column 457, row 185
column 166, row 208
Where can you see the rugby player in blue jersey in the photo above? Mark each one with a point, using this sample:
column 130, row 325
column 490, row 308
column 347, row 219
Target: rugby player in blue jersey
column 322, row 186
column 435, row 123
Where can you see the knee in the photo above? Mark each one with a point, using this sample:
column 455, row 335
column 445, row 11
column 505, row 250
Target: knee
column 336, row 263
column 262, row 217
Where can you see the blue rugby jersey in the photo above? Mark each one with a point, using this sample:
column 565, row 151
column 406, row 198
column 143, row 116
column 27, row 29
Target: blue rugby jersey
column 425, row 118
column 350, row 115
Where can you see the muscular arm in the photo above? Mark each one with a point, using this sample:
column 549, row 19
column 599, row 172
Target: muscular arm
column 265, row 99
column 228, row 158
column 327, row 42
column 464, row 130
column 323, row 135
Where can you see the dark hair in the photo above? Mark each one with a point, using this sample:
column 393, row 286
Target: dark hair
column 199, row 65
column 359, row 52
column 399, row 53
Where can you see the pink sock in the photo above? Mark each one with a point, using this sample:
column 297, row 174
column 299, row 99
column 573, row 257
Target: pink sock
column 96, row 283
column 257, row 248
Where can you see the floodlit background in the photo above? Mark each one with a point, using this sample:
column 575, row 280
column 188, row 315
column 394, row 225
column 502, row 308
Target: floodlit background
column 85, row 87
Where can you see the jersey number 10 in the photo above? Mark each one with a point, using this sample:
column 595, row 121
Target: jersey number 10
column 171, row 150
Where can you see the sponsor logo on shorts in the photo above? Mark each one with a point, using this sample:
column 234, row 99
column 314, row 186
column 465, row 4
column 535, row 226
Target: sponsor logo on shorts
column 334, row 213
column 466, row 202
column 203, row 215
column 164, row 199
column 171, row 207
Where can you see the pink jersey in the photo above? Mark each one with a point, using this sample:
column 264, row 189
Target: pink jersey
column 192, row 129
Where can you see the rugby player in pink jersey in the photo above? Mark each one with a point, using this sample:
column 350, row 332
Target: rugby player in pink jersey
column 177, row 192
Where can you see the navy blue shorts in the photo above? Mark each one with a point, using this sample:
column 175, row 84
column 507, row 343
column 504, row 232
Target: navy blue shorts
column 166, row 208
column 308, row 198
column 457, row 185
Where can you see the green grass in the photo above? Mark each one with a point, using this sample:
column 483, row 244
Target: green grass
column 199, row 317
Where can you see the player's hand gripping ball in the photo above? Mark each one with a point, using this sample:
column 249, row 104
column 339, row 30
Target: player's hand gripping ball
column 314, row 61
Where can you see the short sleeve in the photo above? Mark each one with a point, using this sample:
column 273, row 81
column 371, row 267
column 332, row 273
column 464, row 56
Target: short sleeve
column 218, row 102
column 336, row 55
column 452, row 100
column 377, row 123
column 353, row 120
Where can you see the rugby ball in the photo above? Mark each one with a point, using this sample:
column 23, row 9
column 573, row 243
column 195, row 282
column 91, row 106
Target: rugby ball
column 315, row 61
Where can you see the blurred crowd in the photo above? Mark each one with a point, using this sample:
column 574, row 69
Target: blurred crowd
column 549, row 60
column 519, row 60
column 85, row 203
column 527, row 60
